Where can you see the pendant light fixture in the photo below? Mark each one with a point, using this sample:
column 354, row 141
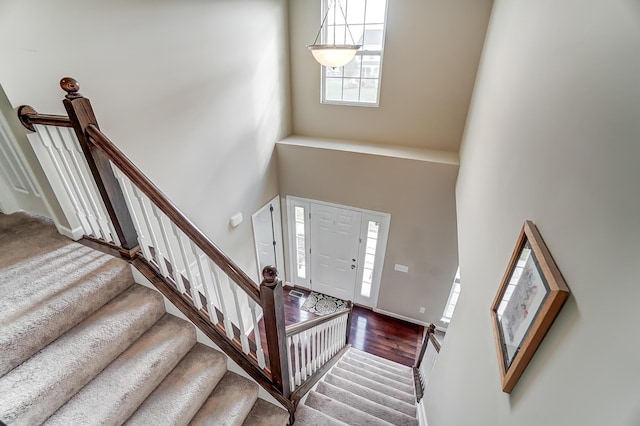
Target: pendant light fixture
column 334, row 55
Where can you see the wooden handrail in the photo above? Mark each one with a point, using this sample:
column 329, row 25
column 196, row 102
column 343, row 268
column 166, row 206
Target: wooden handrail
column 429, row 336
column 306, row 325
column 29, row 118
column 100, row 141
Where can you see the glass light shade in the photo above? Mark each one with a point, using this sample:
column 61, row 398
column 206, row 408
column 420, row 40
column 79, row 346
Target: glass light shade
column 331, row 55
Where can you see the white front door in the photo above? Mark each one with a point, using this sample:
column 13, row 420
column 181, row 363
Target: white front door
column 335, row 242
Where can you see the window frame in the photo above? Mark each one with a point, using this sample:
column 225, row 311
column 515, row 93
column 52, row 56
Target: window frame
column 360, row 53
column 455, row 290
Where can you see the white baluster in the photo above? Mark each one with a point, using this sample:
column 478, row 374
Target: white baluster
column 256, row 333
column 290, row 362
column 217, row 282
column 241, row 322
column 313, row 341
column 211, row 307
column 296, row 351
column 175, row 271
column 309, row 359
column 303, row 357
column 159, row 255
column 125, row 184
column 323, row 342
column 69, row 143
column 59, row 146
column 334, row 333
column 46, row 141
column 195, row 295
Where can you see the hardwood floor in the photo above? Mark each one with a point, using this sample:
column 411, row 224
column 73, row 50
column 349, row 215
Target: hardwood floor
column 371, row 332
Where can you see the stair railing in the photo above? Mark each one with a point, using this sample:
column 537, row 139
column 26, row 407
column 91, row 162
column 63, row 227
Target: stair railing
column 113, row 203
column 425, row 360
column 116, row 205
column 314, row 346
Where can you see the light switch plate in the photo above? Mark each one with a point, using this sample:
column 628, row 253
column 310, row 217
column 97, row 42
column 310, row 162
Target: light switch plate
column 401, row 268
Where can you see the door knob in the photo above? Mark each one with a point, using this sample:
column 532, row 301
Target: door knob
column 353, row 260
column 353, row 266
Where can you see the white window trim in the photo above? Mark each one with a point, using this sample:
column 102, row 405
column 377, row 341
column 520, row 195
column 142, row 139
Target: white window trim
column 323, row 79
column 455, row 288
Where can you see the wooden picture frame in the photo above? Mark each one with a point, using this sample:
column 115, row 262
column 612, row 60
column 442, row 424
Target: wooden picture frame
column 530, row 296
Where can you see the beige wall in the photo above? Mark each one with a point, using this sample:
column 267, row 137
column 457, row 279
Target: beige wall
column 553, row 136
column 432, row 50
column 195, row 93
column 419, row 195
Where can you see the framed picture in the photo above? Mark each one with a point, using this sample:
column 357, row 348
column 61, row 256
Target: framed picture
column 530, row 296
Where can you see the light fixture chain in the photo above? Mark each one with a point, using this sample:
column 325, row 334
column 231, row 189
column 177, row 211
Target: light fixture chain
column 344, row 15
column 326, row 14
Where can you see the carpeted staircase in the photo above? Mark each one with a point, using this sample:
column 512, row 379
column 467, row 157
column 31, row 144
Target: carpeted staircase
column 361, row 389
column 82, row 344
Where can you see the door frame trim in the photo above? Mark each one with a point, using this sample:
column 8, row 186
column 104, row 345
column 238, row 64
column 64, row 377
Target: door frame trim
column 383, row 236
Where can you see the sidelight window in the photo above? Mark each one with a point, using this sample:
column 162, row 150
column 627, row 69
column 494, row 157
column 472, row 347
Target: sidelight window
column 369, row 258
column 301, row 253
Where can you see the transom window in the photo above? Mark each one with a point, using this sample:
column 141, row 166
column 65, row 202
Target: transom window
column 358, row 82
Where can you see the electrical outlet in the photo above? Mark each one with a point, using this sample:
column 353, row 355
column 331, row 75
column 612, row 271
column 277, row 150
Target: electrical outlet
column 422, row 309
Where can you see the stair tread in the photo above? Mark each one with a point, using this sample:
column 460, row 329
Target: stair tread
column 404, row 379
column 393, row 367
column 366, row 405
column 371, row 394
column 48, row 274
column 114, row 394
column 229, row 403
column 307, row 416
column 341, row 411
column 19, row 227
column 372, row 384
column 409, row 389
column 39, row 386
column 380, row 360
column 177, row 399
column 46, row 321
column 264, row 413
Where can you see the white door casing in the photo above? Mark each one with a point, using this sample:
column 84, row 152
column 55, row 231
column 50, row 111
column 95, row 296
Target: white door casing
column 335, row 243
column 300, row 254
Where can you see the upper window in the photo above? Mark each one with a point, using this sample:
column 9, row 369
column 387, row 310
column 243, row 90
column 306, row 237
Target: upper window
column 358, row 82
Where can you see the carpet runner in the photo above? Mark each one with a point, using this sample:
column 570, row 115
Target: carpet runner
column 82, row 344
column 321, row 304
column 361, row 389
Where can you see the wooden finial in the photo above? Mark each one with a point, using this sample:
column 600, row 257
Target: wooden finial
column 71, row 86
column 269, row 274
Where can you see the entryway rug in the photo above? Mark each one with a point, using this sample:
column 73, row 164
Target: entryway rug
column 321, row 304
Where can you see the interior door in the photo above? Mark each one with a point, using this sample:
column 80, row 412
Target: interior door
column 335, row 240
column 267, row 234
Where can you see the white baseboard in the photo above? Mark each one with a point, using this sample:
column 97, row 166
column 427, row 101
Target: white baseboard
column 407, row 319
column 401, row 317
column 75, row 234
column 422, row 413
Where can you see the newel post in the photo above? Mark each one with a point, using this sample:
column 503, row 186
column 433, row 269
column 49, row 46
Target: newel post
column 273, row 314
column 81, row 115
column 349, row 318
